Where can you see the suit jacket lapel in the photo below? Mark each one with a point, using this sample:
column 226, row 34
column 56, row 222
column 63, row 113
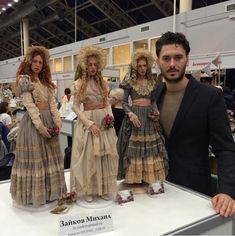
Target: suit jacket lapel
column 158, row 92
column 161, row 88
column 187, row 101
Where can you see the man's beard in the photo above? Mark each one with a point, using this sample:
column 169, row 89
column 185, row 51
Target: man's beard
column 175, row 80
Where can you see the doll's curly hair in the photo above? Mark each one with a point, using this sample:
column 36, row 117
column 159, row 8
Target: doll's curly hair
column 140, row 54
column 81, row 73
column 25, row 66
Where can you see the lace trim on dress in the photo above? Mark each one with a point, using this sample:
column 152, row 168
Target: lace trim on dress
column 144, row 88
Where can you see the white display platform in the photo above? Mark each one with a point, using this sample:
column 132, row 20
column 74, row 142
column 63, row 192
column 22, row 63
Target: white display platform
column 174, row 210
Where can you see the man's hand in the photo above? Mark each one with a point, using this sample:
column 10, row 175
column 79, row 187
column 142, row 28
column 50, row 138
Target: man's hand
column 223, row 204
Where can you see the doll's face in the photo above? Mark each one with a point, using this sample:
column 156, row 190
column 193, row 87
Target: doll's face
column 92, row 66
column 141, row 67
column 37, row 64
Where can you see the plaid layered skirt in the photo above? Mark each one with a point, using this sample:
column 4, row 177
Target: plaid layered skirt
column 142, row 154
column 38, row 171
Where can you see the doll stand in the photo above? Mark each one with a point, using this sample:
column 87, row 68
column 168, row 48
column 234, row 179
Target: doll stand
column 46, row 207
column 97, row 202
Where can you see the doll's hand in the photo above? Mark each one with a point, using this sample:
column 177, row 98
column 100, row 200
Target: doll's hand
column 44, row 132
column 54, row 131
column 95, row 130
column 14, row 122
column 134, row 119
column 58, row 125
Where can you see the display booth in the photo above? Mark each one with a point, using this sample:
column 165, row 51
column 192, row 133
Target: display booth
column 178, row 211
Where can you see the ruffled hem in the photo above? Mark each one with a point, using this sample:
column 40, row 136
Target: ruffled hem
column 103, row 180
column 145, row 146
column 148, row 170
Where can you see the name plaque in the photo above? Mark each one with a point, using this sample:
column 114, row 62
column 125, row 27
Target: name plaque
column 86, row 224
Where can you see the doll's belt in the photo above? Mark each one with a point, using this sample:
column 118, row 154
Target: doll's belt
column 94, row 106
column 142, row 102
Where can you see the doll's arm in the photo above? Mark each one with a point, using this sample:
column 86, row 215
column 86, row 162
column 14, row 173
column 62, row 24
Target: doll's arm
column 54, row 111
column 77, row 104
column 33, row 111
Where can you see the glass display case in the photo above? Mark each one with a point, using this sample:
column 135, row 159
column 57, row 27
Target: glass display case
column 178, row 211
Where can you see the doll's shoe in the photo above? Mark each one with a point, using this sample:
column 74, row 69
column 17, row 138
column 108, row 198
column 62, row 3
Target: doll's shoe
column 106, row 197
column 88, row 198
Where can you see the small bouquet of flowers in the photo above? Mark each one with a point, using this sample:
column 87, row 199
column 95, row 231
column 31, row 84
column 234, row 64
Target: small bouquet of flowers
column 65, row 203
column 154, row 116
column 68, row 198
column 108, row 121
column 54, row 131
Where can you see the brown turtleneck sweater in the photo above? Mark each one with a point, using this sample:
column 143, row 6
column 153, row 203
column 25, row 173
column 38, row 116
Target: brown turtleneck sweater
column 169, row 106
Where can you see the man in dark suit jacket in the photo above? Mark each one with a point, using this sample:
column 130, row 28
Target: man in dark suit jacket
column 193, row 115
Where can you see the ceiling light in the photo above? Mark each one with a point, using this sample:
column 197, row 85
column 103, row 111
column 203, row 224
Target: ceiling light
column 15, row 0
column 4, row 9
column 9, row 4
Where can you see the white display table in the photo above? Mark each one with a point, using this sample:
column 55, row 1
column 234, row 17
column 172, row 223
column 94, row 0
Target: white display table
column 175, row 211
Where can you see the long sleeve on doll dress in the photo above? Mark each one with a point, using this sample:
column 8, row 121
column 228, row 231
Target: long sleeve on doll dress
column 77, row 104
column 125, row 102
column 53, row 108
column 26, row 88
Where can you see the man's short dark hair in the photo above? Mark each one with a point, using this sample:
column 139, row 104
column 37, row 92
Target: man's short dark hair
column 172, row 38
column 67, row 91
